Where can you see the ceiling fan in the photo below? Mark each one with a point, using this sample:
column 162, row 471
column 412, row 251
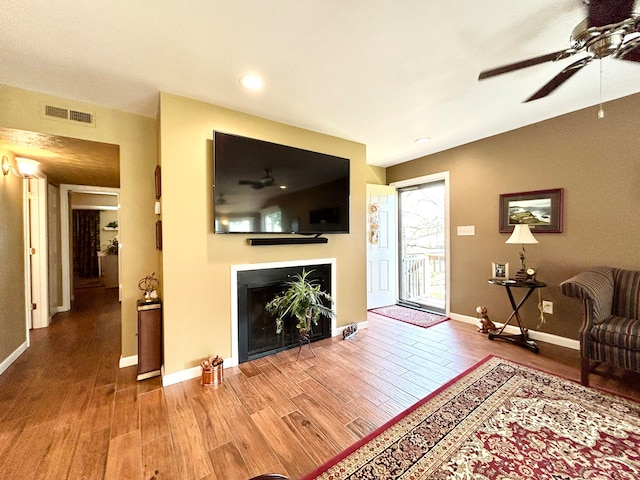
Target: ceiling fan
column 266, row 181
column 222, row 200
column 611, row 29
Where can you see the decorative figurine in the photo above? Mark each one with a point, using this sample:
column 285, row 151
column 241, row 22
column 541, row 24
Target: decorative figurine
column 149, row 285
column 484, row 323
column 350, row 331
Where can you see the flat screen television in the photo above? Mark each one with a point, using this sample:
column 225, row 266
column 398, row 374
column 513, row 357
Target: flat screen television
column 264, row 187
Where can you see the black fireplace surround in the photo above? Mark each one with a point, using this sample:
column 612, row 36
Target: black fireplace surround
column 257, row 328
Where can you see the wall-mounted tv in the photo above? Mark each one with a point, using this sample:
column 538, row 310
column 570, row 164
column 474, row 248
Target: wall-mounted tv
column 264, row 187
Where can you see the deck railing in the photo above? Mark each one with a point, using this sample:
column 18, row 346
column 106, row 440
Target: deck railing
column 424, row 277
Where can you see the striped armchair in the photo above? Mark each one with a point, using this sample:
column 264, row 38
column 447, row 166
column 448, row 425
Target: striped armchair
column 610, row 331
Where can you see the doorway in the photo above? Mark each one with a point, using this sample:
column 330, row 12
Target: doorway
column 104, row 202
column 423, row 243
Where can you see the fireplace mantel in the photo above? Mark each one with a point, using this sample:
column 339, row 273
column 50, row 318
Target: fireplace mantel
column 262, row 266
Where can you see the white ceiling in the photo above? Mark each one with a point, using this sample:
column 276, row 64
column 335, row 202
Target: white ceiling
column 379, row 72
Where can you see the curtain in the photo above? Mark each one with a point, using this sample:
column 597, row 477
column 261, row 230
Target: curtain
column 86, row 243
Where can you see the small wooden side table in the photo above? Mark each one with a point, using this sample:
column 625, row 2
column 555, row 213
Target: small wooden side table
column 522, row 338
column 149, row 339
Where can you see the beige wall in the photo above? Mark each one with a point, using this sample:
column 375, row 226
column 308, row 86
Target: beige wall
column 137, row 138
column 196, row 263
column 91, row 200
column 376, row 175
column 597, row 162
column 12, row 314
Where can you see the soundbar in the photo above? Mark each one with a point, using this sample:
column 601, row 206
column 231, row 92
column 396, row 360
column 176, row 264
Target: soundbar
column 287, row 241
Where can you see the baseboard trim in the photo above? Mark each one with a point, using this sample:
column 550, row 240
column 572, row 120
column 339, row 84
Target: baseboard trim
column 144, row 376
column 181, row 376
column 534, row 334
column 6, row 363
column 128, row 361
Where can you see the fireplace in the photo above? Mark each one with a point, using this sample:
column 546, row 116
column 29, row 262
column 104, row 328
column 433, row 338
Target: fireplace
column 256, row 329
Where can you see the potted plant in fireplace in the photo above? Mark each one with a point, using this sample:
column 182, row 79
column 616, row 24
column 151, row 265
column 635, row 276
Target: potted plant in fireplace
column 305, row 302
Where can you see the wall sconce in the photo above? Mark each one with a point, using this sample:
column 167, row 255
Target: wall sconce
column 25, row 167
column 6, row 166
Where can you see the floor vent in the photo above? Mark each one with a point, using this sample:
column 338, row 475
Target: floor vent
column 69, row 115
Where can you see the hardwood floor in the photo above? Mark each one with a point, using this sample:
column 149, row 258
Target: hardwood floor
column 68, row 411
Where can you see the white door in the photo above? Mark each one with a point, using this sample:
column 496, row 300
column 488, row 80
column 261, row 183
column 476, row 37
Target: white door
column 382, row 247
column 37, row 249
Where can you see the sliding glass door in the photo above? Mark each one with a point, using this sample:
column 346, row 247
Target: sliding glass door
column 422, row 246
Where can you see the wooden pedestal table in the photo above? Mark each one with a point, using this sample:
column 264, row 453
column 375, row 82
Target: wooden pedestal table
column 522, row 338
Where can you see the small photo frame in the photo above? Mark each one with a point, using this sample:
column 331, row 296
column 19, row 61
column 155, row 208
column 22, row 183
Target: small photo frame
column 500, row 270
column 159, row 235
column 158, row 182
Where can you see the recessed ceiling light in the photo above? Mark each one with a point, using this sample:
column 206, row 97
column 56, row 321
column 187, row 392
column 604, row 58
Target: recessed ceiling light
column 423, row 140
column 252, row 82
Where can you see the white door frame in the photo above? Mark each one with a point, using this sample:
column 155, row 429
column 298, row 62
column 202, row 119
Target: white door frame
column 435, row 177
column 65, row 235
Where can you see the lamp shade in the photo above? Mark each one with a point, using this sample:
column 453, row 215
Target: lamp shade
column 522, row 235
column 27, row 167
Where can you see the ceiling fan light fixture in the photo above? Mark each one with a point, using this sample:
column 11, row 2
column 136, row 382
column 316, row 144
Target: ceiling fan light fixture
column 606, row 45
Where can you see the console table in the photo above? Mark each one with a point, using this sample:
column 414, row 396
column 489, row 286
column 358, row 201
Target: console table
column 522, row 338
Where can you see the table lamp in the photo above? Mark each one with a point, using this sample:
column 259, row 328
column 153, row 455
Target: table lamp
column 522, row 235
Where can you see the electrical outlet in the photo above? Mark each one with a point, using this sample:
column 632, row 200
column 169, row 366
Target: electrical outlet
column 547, row 307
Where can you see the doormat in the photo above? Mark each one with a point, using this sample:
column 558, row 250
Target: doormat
column 500, row 420
column 410, row 315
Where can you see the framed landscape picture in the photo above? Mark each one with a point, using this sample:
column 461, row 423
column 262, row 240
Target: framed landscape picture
column 540, row 209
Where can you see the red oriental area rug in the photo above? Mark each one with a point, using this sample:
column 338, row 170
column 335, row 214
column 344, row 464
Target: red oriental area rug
column 410, row 315
column 501, row 420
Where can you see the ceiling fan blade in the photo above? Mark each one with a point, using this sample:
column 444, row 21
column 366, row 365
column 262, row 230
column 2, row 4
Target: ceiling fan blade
column 629, row 51
column 251, row 183
column 606, row 12
column 559, row 79
column 549, row 57
column 632, row 55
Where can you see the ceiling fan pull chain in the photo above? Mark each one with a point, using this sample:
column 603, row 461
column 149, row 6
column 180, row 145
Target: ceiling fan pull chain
column 601, row 111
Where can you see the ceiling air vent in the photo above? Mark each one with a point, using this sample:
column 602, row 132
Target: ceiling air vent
column 71, row 116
